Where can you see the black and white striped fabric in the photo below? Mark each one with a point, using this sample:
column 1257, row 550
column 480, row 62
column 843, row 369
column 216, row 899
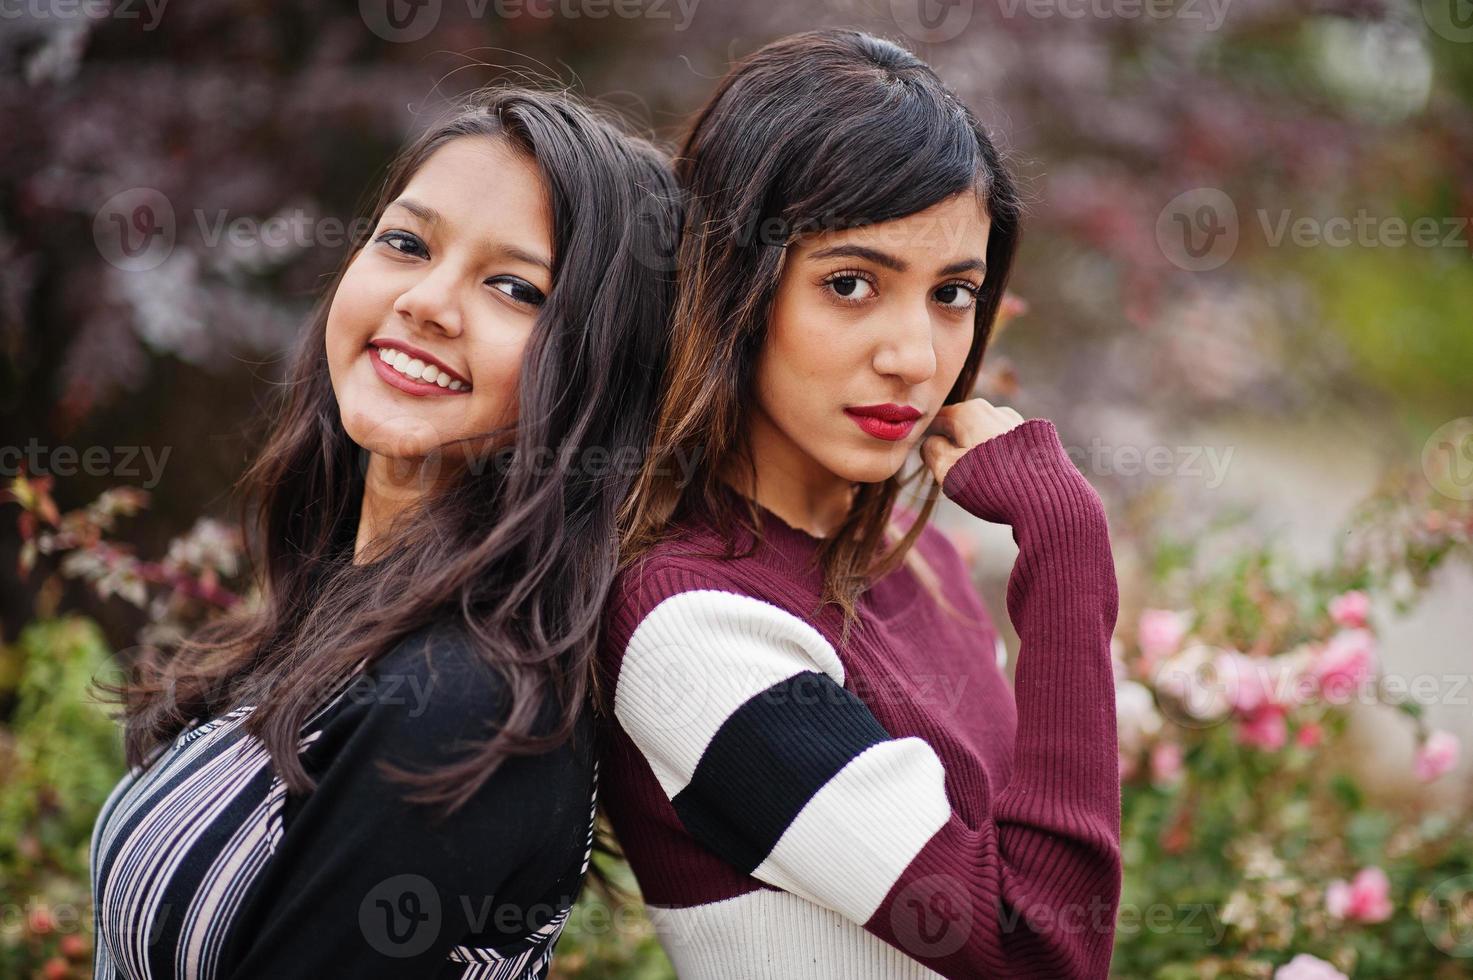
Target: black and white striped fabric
column 204, row 865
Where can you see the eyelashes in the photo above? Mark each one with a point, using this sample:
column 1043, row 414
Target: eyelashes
column 853, row 287
column 519, row 290
column 516, row 289
column 850, row 286
column 390, row 237
column 963, row 291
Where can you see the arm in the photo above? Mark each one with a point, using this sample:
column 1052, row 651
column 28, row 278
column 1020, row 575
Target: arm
column 365, row 884
column 740, row 710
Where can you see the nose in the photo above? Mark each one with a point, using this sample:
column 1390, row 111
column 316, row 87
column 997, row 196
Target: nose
column 434, row 301
column 908, row 350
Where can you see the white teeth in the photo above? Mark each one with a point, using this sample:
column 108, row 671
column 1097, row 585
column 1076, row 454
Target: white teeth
column 413, row 367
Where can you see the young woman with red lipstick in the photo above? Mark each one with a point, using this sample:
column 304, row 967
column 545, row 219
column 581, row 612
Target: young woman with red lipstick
column 384, row 766
column 797, row 786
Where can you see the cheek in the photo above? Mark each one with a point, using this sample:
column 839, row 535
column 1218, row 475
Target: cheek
column 808, row 341
column 496, row 368
column 359, row 307
column 809, row 362
column 951, row 355
column 793, row 366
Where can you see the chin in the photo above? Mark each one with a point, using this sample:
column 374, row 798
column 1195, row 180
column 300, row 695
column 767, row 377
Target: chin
column 400, row 435
column 874, row 466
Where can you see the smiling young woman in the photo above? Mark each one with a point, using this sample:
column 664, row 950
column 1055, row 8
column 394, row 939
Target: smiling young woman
column 384, row 766
column 793, row 797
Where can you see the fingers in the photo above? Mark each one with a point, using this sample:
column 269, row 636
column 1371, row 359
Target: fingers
column 966, row 422
column 957, row 428
column 938, row 454
column 943, row 425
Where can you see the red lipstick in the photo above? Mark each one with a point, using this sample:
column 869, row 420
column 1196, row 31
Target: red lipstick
column 888, row 421
column 415, row 386
column 413, row 351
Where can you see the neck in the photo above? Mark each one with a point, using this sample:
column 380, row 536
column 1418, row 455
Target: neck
column 791, row 483
column 390, row 488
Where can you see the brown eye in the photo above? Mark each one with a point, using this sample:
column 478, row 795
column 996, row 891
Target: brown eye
column 957, row 295
column 850, row 287
column 403, row 241
column 518, row 289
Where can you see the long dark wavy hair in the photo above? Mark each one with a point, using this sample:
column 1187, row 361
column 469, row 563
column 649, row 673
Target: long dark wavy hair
column 816, row 131
column 521, row 552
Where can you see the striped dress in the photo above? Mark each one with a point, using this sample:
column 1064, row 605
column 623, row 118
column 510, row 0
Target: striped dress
column 794, row 806
column 204, row 865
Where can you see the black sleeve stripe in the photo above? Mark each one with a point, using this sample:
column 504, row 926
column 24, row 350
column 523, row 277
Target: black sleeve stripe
column 773, row 753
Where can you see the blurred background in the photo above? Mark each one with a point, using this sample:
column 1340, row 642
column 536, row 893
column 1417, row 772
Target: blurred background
column 1245, row 297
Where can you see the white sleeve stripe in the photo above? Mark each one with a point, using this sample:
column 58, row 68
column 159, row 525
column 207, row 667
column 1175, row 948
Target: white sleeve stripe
column 849, row 845
column 699, row 656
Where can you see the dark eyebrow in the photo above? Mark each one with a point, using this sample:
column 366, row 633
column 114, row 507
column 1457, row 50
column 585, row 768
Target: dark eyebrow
column 860, row 252
column 891, row 262
column 430, row 216
column 423, row 212
column 965, row 265
column 522, row 255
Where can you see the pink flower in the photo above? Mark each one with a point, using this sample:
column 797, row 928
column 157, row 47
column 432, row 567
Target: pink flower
column 1346, row 662
column 1166, row 763
column 1437, row 756
column 1306, row 967
column 1367, row 898
column 1264, row 728
column 1245, row 680
column 1310, row 735
column 1291, row 676
column 1350, row 609
column 1160, row 632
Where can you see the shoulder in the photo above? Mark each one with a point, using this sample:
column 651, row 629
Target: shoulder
column 694, row 560
column 683, row 632
column 433, row 696
column 437, row 671
column 430, row 706
column 696, row 554
column 424, row 711
column 685, row 563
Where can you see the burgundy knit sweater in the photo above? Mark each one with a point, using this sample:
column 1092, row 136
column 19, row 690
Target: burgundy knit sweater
column 890, row 807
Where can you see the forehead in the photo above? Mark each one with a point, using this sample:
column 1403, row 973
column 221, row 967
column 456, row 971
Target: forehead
column 481, row 184
column 949, row 228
